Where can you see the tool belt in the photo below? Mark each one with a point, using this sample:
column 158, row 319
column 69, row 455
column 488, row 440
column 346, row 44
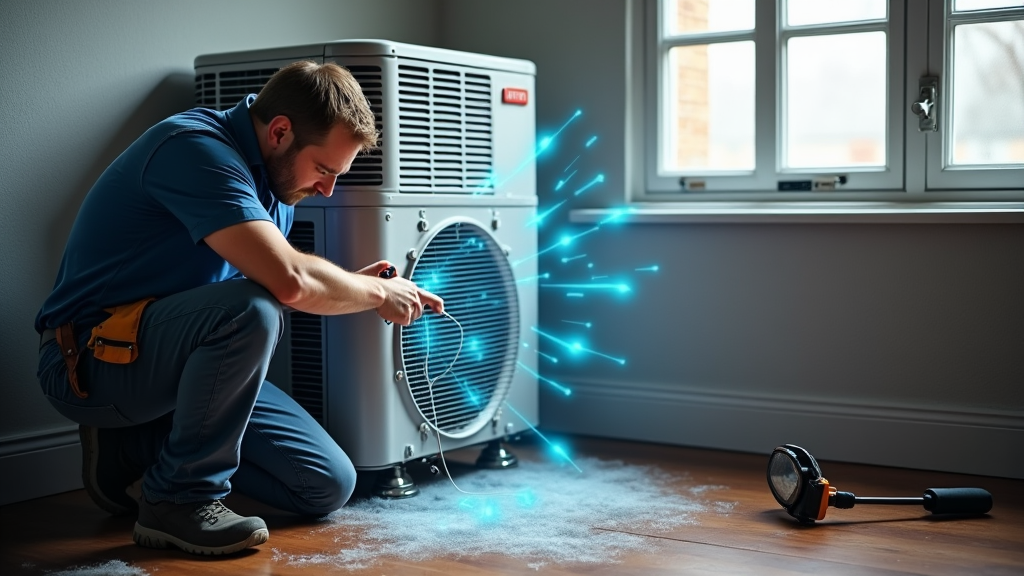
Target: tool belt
column 115, row 340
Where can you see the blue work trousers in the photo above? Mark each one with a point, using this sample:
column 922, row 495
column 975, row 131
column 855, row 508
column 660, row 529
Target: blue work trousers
column 202, row 417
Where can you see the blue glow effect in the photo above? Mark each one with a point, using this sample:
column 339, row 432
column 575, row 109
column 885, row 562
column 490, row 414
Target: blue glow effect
column 571, row 163
column 526, row 498
column 622, row 288
column 571, row 258
column 540, row 217
column 591, row 141
column 590, row 264
column 542, row 436
column 569, row 177
column 544, row 143
column 574, row 294
column 559, row 185
column 548, row 357
column 556, row 385
column 576, row 347
column 597, row 277
column 648, row 269
column 597, row 180
column 578, row 323
column 484, row 511
column 532, row 278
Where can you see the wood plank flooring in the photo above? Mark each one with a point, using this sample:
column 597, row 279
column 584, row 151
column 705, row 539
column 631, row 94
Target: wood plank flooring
column 751, row 536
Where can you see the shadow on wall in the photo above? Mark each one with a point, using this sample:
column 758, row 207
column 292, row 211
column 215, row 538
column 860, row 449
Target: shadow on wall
column 175, row 93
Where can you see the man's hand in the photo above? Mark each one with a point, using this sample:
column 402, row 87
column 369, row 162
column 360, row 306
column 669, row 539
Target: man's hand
column 405, row 301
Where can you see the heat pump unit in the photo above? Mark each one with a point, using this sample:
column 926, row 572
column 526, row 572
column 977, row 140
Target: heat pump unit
column 450, row 198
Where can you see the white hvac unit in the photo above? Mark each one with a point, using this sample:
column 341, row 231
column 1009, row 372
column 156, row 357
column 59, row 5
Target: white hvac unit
column 449, row 197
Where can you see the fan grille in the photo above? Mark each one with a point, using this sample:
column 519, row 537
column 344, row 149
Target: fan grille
column 464, row 265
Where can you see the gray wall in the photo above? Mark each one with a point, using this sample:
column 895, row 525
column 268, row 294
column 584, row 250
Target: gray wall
column 897, row 344
column 82, row 80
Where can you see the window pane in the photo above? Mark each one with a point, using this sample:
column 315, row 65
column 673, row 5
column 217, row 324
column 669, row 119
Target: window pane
column 805, row 12
column 835, row 109
column 711, row 107
column 689, row 16
column 964, row 5
column 988, row 93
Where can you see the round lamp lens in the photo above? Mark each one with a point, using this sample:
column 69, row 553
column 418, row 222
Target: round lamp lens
column 784, row 477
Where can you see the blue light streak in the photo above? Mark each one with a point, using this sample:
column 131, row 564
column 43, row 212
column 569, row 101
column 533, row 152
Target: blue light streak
column 623, row 288
column 556, row 385
column 544, row 144
column 540, row 217
column 591, row 141
column 598, row 277
column 558, row 449
column 576, row 347
column 578, row 323
column 574, row 294
column 532, row 278
column 548, row 357
column 571, row 163
column 571, row 258
column 648, row 269
column 597, row 180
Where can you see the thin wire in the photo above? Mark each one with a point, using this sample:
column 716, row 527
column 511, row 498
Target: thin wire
column 433, row 408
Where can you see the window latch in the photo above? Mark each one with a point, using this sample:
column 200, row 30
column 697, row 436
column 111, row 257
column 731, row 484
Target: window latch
column 927, row 113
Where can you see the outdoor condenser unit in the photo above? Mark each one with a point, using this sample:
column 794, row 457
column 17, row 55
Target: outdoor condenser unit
column 449, row 197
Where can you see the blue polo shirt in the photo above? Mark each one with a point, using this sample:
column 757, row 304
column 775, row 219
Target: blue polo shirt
column 140, row 230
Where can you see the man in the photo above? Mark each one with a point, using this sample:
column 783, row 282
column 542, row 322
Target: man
column 168, row 306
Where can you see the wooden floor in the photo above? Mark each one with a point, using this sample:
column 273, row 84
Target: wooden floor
column 754, row 537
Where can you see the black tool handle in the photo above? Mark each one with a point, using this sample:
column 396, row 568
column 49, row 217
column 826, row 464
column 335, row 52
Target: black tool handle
column 957, row 500
column 388, row 272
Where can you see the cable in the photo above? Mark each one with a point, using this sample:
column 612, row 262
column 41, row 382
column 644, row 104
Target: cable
column 433, row 408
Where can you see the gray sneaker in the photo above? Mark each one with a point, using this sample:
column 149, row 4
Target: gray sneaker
column 197, row 527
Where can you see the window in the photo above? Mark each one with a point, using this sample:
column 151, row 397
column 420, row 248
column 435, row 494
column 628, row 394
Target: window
column 798, row 98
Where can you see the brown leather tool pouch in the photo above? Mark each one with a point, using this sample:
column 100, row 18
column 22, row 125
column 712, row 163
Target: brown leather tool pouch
column 69, row 350
column 116, row 339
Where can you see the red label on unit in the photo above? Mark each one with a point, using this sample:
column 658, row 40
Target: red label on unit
column 515, row 96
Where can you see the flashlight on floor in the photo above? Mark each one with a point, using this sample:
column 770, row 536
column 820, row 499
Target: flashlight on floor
column 798, row 485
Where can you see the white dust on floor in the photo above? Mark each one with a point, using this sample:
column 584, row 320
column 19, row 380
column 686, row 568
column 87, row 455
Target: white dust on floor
column 110, row 568
column 549, row 517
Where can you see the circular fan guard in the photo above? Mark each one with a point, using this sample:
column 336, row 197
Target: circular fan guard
column 464, row 265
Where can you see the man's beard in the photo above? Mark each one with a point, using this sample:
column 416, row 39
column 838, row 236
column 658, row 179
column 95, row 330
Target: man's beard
column 281, row 173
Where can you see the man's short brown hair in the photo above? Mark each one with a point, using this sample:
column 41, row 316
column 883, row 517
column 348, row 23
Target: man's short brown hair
column 316, row 97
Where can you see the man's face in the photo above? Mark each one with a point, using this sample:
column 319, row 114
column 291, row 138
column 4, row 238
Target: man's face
column 296, row 174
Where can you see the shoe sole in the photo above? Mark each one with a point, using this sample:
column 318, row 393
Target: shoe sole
column 89, row 437
column 149, row 538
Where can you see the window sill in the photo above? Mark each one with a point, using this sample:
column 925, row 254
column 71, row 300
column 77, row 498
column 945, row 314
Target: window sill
column 808, row 213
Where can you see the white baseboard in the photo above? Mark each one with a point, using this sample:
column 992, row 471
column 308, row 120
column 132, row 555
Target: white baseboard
column 989, row 443
column 39, row 465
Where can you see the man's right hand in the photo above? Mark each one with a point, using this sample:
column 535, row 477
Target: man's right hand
column 405, row 302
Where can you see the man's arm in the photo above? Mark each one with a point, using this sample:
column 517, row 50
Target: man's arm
column 311, row 284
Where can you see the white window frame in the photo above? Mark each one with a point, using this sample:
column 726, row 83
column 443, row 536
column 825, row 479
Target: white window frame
column 940, row 174
column 908, row 172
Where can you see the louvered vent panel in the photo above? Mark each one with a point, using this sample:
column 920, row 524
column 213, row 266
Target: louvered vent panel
column 463, row 265
column 368, row 168
column 237, row 84
column 206, row 90
column 444, row 130
column 307, row 344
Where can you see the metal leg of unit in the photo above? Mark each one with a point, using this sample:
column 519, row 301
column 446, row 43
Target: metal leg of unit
column 494, row 456
column 394, row 483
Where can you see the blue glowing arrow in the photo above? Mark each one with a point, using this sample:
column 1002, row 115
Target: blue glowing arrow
column 557, row 386
column 557, row 449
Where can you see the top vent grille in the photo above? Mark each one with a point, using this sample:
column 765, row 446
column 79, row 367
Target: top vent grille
column 444, row 130
column 224, row 90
